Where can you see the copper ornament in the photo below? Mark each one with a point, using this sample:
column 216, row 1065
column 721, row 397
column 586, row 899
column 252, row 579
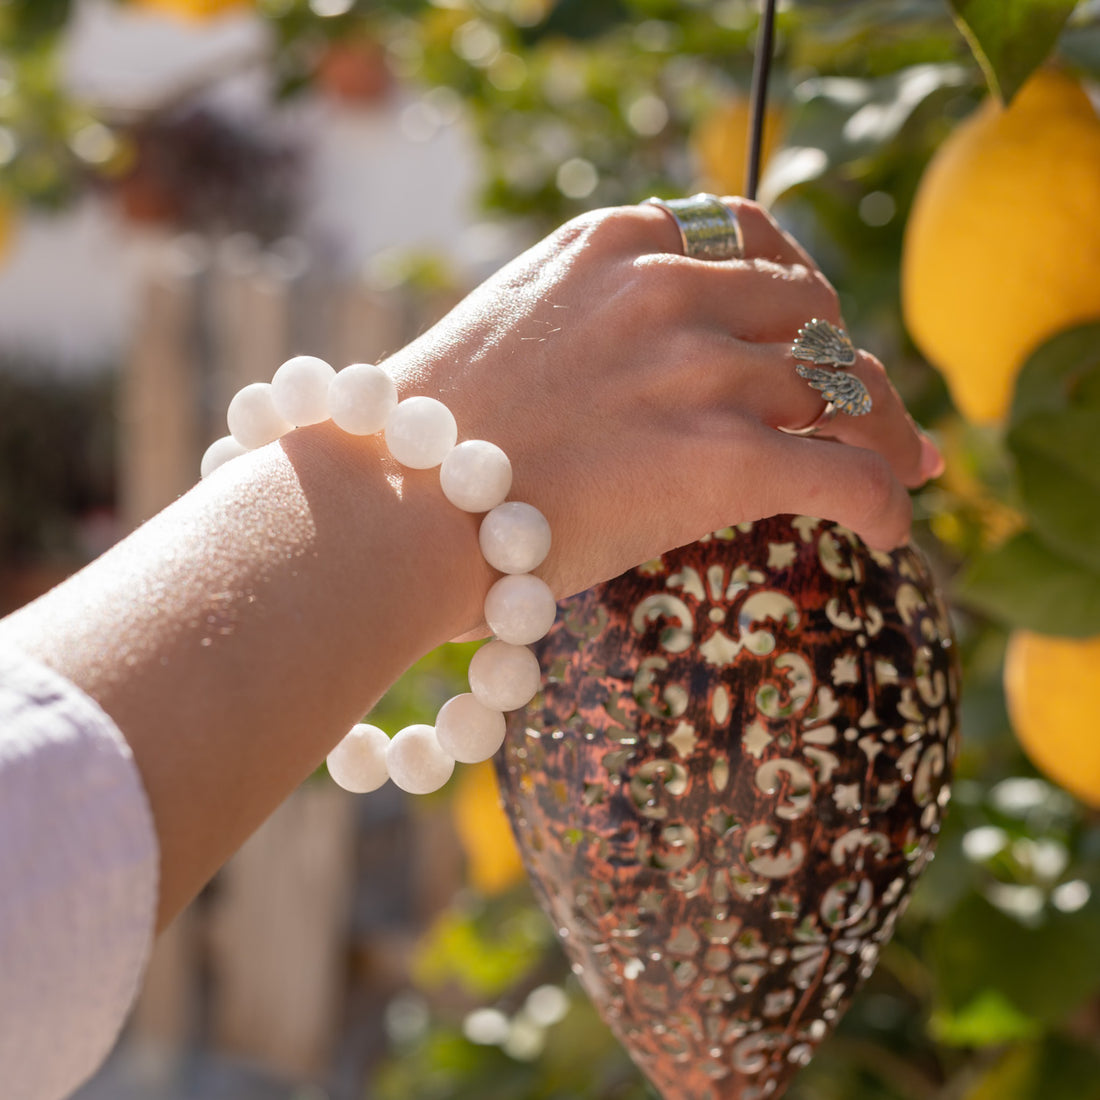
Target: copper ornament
column 727, row 788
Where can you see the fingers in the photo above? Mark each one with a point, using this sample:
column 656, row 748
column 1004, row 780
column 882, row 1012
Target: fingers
column 762, row 301
column 763, row 239
column 848, row 485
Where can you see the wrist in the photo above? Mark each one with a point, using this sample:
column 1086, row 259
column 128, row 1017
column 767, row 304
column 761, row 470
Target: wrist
column 400, row 540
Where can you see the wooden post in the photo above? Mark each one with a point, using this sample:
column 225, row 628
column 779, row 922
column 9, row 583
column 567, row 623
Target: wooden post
column 279, row 934
column 159, row 406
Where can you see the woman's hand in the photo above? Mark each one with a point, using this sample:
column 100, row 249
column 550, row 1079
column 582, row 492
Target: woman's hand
column 639, row 393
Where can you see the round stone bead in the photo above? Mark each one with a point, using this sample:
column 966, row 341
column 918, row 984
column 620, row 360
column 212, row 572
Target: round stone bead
column 360, row 398
column 504, row 677
column 514, row 537
column 468, row 730
column 476, row 476
column 520, row 609
column 299, row 390
column 420, row 432
column 416, row 762
column 358, row 763
column 252, row 417
column 218, row 453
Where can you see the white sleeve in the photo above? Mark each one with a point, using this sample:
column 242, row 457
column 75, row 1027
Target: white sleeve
column 78, row 882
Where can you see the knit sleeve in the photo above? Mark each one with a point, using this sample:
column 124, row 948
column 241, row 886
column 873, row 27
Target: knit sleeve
column 78, row 882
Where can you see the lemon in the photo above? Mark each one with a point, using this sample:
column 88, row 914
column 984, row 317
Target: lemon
column 1050, row 686
column 194, row 9
column 493, row 863
column 1002, row 247
column 720, row 142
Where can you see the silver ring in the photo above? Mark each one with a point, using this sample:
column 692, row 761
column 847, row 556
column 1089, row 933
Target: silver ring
column 815, row 425
column 709, row 229
column 819, row 351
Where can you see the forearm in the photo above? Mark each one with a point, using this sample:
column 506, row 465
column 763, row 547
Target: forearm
column 238, row 635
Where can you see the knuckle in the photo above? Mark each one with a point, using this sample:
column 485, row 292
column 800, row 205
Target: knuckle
column 657, row 284
column 609, row 229
column 826, row 297
column 877, row 486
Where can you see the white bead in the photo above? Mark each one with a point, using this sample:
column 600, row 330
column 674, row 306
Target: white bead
column 420, row 432
column 358, row 763
column 514, row 537
column 253, row 421
column 299, row 390
column 476, row 476
column 416, row 762
column 468, row 730
column 504, row 677
column 218, row 453
column 520, row 609
column 360, row 398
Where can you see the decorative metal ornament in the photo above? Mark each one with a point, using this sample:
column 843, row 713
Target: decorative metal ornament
column 733, row 777
column 844, row 391
column 824, row 345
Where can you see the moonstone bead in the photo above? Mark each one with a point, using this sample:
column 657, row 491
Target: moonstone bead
column 476, row 476
column 468, row 730
column 520, row 609
column 360, row 398
column 299, row 390
column 420, row 432
column 514, row 537
column 252, row 418
column 416, row 762
column 504, row 677
column 218, row 453
column 358, row 763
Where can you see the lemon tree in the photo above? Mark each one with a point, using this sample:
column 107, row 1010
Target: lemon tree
column 1003, row 239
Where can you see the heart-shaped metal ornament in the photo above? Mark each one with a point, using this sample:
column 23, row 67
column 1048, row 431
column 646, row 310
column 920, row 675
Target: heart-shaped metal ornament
column 733, row 777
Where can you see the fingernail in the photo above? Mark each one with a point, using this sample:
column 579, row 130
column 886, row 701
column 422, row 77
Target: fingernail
column 931, row 461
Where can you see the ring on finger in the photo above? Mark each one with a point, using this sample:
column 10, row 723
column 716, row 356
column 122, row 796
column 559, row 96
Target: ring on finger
column 709, row 229
column 820, row 351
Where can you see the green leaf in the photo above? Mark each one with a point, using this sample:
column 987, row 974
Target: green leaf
column 990, row 1019
column 1056, row 1068
column 1011, row 38
column 978, row 948
column 1055, row 439
column 1060, row 374
column 1025, row 583
column 1058, row 469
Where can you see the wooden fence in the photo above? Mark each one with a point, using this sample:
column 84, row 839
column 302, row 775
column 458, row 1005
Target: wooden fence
column 291, row 955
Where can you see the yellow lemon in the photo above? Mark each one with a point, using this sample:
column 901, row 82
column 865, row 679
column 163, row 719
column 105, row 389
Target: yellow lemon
column 492, row 860
column 1002, row 247
column 720, row 143
column 194, row 9
column 1051, row 689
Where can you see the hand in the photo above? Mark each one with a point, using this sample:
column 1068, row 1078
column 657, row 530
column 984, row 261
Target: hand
column 638, row 393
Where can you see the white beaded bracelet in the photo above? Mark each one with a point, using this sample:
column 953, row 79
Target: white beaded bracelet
column 476, row 477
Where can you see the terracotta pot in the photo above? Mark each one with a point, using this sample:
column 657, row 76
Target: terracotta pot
column 733, row 777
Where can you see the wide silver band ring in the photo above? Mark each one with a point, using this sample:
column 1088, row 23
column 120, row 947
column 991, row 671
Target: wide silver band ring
column 709, row 229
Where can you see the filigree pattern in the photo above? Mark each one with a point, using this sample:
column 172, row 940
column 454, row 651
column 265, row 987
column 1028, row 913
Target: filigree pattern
column 844, row 390
column 734, row 774
column 824, row 344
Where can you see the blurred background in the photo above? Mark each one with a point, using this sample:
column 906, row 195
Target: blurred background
column 193, row 190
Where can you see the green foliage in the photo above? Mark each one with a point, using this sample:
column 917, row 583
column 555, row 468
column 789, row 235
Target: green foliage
column 1047, row 578
column 1025, row 583
column 1011, row 38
